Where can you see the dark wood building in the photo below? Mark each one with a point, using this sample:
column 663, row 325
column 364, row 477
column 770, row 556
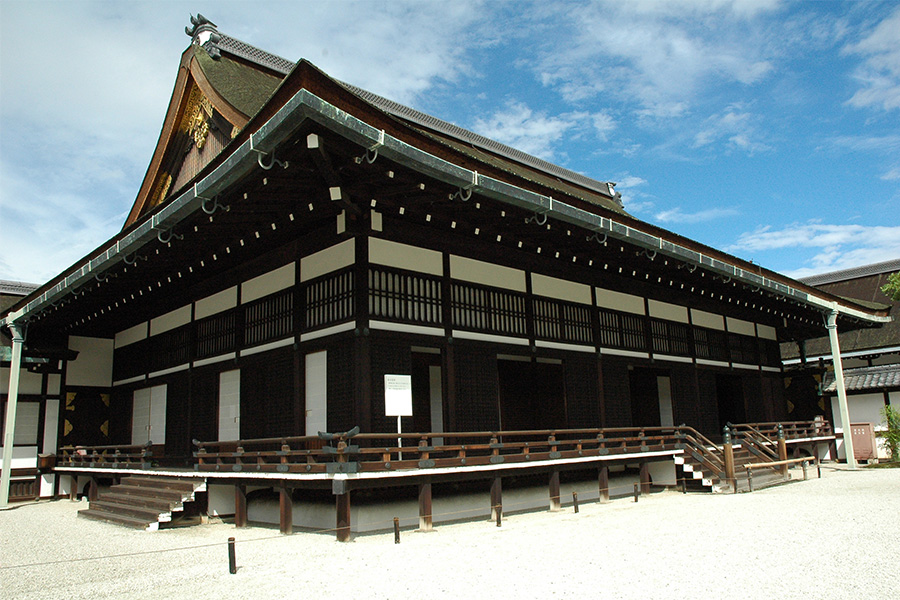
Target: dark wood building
column 296, row 239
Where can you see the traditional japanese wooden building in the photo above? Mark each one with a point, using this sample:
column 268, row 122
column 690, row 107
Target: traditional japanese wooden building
column 296, row 239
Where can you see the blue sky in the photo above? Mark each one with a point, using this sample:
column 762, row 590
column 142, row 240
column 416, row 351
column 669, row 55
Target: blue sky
column 764, row 128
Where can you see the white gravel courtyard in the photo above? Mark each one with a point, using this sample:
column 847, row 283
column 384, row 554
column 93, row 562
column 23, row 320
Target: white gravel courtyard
column 835, row 537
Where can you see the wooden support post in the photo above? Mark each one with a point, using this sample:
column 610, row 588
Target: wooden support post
column 73, row 487
column 93, row 489
column 728, row 451
column 286, row 511
column 645, row 478
column 425, row 512
column 240, row 505
column 554, row 490
column 496, row 498
column 603, row 482
column 782, row 451
column 342, row 512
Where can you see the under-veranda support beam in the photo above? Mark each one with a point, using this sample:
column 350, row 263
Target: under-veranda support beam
column 831, row 325
column 425, row 507
column 18, row 340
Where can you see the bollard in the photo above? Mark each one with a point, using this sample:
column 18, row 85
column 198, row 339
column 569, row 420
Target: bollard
column 575, row 500
column 396, row 530
column 499, row 511
column 637, row 491
column 232, row 562
column 750, row 479
column 684, row 485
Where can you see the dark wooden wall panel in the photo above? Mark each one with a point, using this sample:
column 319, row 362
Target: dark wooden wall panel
column 616, row 392
column 582, row 393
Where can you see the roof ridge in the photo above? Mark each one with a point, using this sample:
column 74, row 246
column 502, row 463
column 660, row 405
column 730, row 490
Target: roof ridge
column 888, row 266
column 208, row 37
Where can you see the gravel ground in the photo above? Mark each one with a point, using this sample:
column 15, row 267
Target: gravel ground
column 835, row 537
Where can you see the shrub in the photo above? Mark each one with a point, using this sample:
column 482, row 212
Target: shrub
column 892, row 435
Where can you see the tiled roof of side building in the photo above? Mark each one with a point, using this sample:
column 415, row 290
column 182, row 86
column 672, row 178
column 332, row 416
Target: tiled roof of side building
column 866, row 378
column 888, row 266
column 265, row 59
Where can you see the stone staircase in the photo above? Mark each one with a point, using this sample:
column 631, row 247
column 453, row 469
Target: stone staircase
column 146, row 502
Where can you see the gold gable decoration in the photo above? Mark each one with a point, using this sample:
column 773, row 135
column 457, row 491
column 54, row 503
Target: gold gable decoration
column 198, row 113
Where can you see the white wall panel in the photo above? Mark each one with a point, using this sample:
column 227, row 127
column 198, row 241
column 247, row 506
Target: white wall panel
column 268, row 283
column 404, row 256
column 620, row 301
column 701, row 318
column 171, row 320
column 561, row 289
column 131, row 335
column 740, row 326
column 94, row 364
column 476, row 271
column 669, row 312
column 316, row 392
column 216, row 303
column 328, row 260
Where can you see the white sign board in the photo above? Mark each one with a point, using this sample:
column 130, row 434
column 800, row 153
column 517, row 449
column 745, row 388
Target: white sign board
column 398, row 396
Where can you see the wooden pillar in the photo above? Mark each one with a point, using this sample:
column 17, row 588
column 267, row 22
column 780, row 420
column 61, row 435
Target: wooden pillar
column 782, row 450
column 240, row 505
column 425, row 513
column 645, row 478
column 93, row 489
column 73, row 487
column 342, row 514
column 286, row 512
column 603, row 482
column 728, row 452
column 496, row 497
column 554, row 490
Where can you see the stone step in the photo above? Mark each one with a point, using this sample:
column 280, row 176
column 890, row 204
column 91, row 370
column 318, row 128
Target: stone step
column 119, row 519
column 106, row 505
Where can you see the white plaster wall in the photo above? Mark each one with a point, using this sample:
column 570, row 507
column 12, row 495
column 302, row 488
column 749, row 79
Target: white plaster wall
column 766, row 332
column 216, row 303
column 701, row 318
column 551, row 287
column 29, row 383
column 740, row 326
column 476, row 271
column 669, row 312
column 171, row 320
column 620, row 301
column 268, row 283
column 27, row 414
column 131, row 335
column 221, row 500
column 94, row 364
column 328, row 260
column 404, row 256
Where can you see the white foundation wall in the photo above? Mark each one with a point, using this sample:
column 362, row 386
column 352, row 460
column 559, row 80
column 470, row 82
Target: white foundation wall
column 94, row 365
column 864, row 408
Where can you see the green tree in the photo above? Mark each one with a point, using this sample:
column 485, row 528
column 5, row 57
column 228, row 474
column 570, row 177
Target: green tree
column 892, row 435
column 892, row 288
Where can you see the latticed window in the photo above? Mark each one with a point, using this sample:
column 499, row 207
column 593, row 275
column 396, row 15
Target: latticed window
column 488, row 309
column 216, row 334
column 562, row 321
column 269, row 318
column 404, row 296
column 621, row 330
column 329, row 300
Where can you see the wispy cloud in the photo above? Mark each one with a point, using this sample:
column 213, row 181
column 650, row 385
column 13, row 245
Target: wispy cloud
column 677, row 215
column 734, row 125
column 836, row 246
column 879, row 73
column 537, row 132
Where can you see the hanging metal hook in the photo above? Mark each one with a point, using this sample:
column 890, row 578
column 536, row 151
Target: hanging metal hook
column 464, row 194
column 535, row 218
column 272, row 160
column 134, row 258
column 372, row 151
column 216, row 205
column 165, row 236
column 596, row 238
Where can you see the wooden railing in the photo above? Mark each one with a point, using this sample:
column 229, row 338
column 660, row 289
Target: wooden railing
column 111, row 457
column 371, row 452
column 793, row 430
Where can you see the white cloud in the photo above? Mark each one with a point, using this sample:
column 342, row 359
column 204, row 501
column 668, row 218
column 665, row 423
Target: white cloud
column 734, row 126
column 879, row 73
column 538, row 133
column 835, row 246
column 677, row 215
column 658, row 53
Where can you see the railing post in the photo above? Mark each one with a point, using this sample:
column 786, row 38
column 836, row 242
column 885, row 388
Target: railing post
column 782, row 451
column 240, row 505
column 554, row 490
column 603, row 482
column 728, row 451
column 496, row 498
column 425, row 511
